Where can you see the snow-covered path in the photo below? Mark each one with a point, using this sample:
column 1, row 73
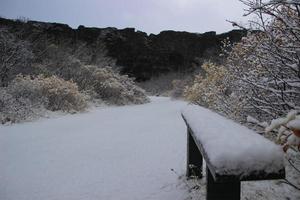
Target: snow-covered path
column 114, row 153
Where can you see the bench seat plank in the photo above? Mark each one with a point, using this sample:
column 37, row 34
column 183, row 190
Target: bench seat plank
column 233, row 152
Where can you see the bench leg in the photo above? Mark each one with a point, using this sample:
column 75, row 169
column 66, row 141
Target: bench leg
column 224, row 191
column 194, row 158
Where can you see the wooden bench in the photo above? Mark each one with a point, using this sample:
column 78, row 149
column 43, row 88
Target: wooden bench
column 213, row 137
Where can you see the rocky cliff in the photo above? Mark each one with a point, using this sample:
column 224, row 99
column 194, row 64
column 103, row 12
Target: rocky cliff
column 139, row 55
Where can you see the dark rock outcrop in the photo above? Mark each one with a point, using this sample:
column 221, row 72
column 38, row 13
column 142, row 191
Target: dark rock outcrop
column 139, row 55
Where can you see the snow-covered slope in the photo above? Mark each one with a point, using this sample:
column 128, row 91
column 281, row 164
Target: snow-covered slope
column 113, row 153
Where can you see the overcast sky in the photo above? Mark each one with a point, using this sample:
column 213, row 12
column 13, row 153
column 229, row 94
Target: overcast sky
column 151, row 16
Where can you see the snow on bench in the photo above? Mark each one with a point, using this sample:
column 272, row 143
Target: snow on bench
column 232, row 152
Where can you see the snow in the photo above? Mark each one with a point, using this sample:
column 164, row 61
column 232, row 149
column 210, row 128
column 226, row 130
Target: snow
column 276, row 123
column 231, row 147
column 293, row 140
column 294, row 124
column 112, row 153
column 109, row 153
column 252, row 120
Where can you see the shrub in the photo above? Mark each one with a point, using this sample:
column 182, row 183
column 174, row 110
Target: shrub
column 116, row 89
column 17, row 109
column 207, row 88
column 266, row 62
column 27, row 97
column 260, row 79
column 105, row 84
column 61, row 95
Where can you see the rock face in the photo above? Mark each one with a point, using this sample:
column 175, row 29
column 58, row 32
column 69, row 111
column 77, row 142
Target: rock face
column 151, row 55
column 139, row 55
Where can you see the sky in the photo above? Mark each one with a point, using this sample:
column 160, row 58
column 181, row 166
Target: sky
column 151, row 16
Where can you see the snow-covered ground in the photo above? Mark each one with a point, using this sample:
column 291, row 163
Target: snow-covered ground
column 113, row 153
column 109, row 153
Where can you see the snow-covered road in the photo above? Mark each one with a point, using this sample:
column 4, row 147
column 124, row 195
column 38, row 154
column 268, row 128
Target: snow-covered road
column 113, row 153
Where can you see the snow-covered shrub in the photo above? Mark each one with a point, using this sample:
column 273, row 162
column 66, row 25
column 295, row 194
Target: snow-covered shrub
column 115, row 88
column 104, row 83
column 266, row 63
column 288, row 135
column 28, row 97
column 100, row 82
column 288, row 129
column 260, row 77
column 27, row 88
column 61, row 95
column 205, row 89
column 210, row 89
column 16, row 109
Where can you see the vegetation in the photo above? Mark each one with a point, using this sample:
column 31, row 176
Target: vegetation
column 14, row 53
column 259, row 83
column 261, row 76
column 27, row 97
column 36, row 77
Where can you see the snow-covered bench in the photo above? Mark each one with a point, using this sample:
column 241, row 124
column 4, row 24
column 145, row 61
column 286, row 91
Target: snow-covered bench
column 232, row 153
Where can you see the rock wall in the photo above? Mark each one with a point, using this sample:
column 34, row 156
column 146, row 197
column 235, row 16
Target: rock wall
column 139, row 55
